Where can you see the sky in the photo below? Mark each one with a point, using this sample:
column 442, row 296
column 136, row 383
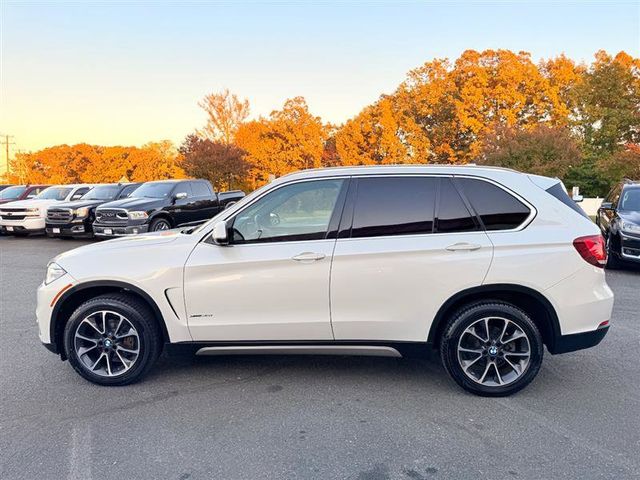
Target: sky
column 125, row 73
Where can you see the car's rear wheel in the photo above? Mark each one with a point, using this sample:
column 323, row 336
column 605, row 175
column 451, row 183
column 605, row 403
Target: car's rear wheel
column 112, row 339
column 491, row 348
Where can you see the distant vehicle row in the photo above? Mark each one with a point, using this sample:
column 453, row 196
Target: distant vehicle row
column 110, row 210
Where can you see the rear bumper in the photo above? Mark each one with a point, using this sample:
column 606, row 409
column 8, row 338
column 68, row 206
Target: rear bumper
column 577, row 341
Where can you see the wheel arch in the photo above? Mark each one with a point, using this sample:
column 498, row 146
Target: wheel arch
column 76, row 295
column 531, row 301
column 162, row 214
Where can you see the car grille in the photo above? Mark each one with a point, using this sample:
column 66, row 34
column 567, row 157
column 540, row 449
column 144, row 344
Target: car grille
column 111, row 216
column 61, row 215
column 13, row 213
column 631, row 247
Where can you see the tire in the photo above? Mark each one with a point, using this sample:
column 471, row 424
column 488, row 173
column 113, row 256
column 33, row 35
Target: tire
column 118, row 365
column 159, row 224
column 613, row 260
column 505, row 367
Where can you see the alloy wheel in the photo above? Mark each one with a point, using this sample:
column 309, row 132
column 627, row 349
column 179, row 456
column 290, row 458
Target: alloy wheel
column 494, row 351
column 106, row 343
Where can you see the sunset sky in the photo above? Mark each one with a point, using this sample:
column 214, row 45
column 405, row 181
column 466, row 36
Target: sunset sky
column 131, row 73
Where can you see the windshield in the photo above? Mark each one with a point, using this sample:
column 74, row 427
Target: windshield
column 630, row 200
column 102, row 192
column 54, row 193
column 154, row 190
column 12, row 192
column 239, row 204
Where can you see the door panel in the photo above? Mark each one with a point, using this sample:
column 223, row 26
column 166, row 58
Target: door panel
column 259, row 291
column 390, row 288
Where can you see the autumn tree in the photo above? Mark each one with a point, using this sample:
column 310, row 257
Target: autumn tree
column 288, row 140
column 541, row 150
column 222, row 164
column 96, row 164
column 225, row 113
column 624, row 163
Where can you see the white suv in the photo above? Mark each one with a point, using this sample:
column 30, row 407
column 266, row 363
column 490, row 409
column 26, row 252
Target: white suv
column 28, row 216
column 485, row 265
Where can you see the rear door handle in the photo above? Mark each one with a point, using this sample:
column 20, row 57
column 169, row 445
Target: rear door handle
column 463, row 246
column 308, row 257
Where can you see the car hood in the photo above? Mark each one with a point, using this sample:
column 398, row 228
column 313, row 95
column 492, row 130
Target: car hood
column 137, row 241
column 33, row 203
column 136, row 203
column 80, row 203
column 631, row 217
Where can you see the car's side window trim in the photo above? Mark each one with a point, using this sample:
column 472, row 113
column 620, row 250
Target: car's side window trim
column 334, row 220
column 525, row 223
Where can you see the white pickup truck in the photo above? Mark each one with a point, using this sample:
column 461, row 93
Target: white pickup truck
column 28, row 216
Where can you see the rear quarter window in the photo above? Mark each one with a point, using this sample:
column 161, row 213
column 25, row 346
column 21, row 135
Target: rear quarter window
column 497, row 209
column 559, row 193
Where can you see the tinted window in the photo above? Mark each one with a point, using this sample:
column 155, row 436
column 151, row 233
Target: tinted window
column 301, row 211
column 561, row 194
column 102, row 192
column 453, row 215
column 497, row 209
column 200, row 189
column 394, row 206
column 128, row 190
column 12, row 192
column 184, row 187
column 154, row 190
column 54, row 193
column 630, row 200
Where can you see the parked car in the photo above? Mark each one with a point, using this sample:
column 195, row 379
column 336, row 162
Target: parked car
column 23, row 217
column 485, row 265
column 20, row 192
column 619, row 221
column 161, row 205
column 75, row 219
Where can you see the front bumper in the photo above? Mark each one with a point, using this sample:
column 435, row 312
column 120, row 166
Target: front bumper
column 103, row 230
column 79, row 228
column 630, row 248
column 25, row 225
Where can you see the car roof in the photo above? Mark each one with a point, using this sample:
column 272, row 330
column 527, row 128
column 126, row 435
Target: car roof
column 469, row 169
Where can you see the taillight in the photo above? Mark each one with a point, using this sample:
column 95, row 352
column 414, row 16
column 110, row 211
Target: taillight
column 592, row 249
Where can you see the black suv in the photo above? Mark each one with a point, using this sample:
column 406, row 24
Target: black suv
column 75, row 219
column 162, row 205
column 619, row 220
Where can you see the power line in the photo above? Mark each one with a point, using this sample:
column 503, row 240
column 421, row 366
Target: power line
column 7, row 141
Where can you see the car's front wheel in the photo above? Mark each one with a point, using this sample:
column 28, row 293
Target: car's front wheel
column 112, row 339
column 491, row 348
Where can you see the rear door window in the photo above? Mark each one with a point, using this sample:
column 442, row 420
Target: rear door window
column 394, row 206
column 200, row 189
column 453, row 215
column 497, row 209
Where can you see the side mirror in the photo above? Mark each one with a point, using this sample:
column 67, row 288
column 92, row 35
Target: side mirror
column 76, row 196
column 606, row 206
column 578, row 198
column 219, row 234
column 180, row 195
column 229, row 205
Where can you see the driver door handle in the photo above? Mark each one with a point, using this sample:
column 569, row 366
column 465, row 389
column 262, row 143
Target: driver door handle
column 308, row 257
column 463, row 246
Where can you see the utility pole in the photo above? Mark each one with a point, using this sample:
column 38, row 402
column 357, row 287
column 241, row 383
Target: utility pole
column 7, row 141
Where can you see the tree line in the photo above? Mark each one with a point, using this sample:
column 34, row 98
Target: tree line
column 559, row 118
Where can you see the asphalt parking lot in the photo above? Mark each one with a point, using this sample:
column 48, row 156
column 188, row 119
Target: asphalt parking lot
column 309, row 417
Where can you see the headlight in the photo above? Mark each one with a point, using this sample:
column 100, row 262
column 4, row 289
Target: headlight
column 54, row 272
column 33, row 212
column 630, row 227
column 138, row 215
column 81, row 212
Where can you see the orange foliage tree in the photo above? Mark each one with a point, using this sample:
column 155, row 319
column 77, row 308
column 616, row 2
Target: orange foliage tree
column 288, row 140
column 96, row 164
